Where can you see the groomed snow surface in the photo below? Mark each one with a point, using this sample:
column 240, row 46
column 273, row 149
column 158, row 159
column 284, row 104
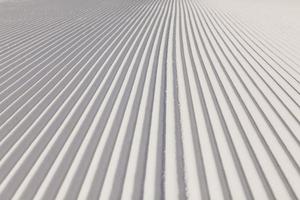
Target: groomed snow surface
column 149, row 99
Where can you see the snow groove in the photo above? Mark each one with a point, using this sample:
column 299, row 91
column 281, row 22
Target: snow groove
column 150, row 99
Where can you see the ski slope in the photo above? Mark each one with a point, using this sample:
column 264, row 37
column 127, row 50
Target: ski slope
column 149, row 99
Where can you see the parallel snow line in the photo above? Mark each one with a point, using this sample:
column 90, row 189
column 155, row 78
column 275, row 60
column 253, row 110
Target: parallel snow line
column 150, row 99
